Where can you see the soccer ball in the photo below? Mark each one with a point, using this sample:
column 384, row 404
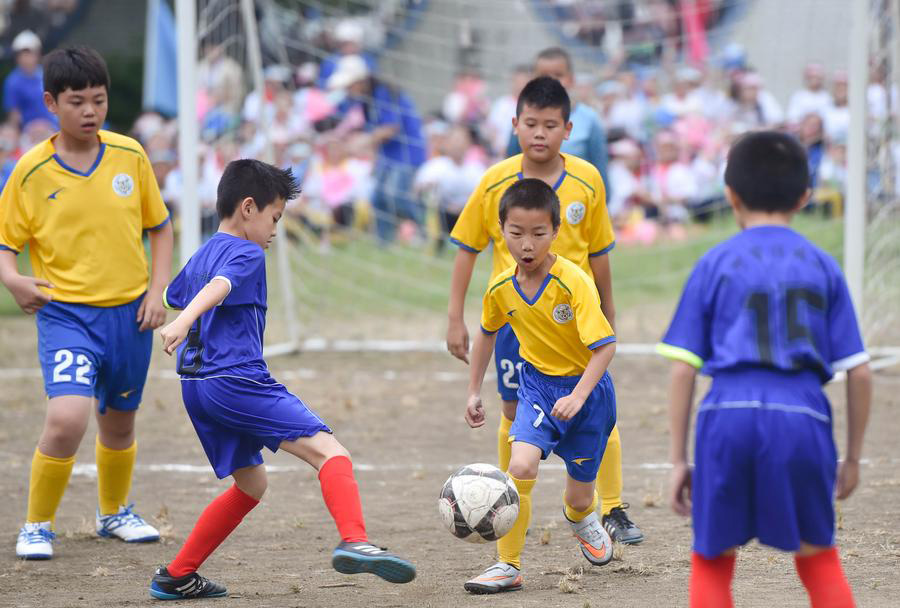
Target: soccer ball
column 479, row 503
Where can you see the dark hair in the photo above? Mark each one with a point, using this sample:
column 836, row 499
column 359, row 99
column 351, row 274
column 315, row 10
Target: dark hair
column 255, row 179
column 544, row 92
column 555, row 52
column 76, row 68
column 768, row 171
column 530, row 193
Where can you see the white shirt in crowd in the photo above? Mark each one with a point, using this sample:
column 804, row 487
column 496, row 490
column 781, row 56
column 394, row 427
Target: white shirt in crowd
column 452, row 183
column 805, row 102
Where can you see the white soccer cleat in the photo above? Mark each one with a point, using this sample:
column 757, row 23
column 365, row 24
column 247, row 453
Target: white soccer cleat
column 35, row 541
column 596, row 545
column 496, row 579
column 126, row 525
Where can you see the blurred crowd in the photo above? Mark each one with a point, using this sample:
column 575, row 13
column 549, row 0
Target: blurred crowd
column 369, row 160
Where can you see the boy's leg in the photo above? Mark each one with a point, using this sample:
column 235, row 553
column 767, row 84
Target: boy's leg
column 504, row 448
column 820, row 571
column 580, row 502
column 508, row 363
column 609, row 487
column 179, row 580
column 710, row 585
column 340, row 491
column 505, row 575
column 116, row 451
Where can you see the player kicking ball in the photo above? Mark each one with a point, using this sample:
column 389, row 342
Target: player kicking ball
column 768, row 315
column 236, row 407
column 566, row 399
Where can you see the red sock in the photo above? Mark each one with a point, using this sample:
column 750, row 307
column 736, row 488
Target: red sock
column 341, row 496
column 711, row 581
column 216, row 522
column 824, row 580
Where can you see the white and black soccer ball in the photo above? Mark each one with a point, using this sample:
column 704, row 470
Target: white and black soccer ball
column 479, row 503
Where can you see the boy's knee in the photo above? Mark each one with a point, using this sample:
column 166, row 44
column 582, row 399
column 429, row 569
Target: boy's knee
column 522, row 469
column 580, row 503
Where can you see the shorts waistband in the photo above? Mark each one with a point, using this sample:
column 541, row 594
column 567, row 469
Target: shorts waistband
column 567, row 381
column 763, row 377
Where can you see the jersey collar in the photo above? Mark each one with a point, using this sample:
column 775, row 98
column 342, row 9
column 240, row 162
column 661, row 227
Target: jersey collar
column 87, row 173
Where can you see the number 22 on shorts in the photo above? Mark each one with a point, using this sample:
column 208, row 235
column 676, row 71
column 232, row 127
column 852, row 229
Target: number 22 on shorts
column 63, row 359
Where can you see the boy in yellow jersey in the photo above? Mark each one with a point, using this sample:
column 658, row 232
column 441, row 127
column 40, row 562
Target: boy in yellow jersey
column 567, row 403
column 81, row 201
column 585, row 237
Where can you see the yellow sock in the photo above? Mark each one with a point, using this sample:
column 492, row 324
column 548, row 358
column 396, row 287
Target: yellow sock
column 609, row 477
column 577, row 516
column 114, row 476
column 49, row 478
column 504, row 448
column 510, row 546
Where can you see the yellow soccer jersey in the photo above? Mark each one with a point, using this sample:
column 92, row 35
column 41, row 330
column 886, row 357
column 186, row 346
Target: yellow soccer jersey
column 585, row 228
column 84, row 229
column 559, row 327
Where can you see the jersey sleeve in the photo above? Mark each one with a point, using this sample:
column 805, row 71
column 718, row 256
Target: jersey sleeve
column 492, row 318
column 688, row 338
column 153, row 211
column 176, row 296
column 470, row 233
column 602, row 237
column 243, row 271
column 15, row 229
column 845, row 341
column 594, row 329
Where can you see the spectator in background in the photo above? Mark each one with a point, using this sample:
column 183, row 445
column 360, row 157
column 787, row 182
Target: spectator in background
column 220, row 83
column 23, row 89
column 467, row 103
column 330, row 190
column 811, row 134
column 680, row 101
column 9, row 147
column 588, row 137
column 754, row 107
column 672, row 185
column 837, row 117
column 396, row 129
column 813, row 97
column 498, row 126
column 450, row 178
column 349, row 37
column 628, row 181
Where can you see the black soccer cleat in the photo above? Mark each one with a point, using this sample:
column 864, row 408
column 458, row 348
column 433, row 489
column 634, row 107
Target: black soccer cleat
column 620, row 528
column 189, row 587
column 354, row 558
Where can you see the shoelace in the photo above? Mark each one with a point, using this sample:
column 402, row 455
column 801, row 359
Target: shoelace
column 619, row 515
column 125, row 517
column 39, row 535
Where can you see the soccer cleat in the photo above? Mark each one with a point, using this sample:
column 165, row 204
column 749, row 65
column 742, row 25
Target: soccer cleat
column 353, row 558
column 596, row 544
column 496, row 579
column 189, row 587
column 35, row 541
column 127, row 525
column 620, row 528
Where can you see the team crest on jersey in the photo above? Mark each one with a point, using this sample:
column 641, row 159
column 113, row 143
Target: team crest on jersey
column 563, row 313
column 123, row 184
column 575, row 213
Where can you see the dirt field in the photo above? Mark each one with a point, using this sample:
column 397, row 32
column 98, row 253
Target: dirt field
column 400, row 415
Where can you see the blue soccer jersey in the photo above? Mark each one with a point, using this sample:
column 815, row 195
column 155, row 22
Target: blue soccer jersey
column 766, row 298
column 229, row 335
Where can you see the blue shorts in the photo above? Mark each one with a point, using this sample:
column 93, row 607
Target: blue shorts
column 509, row 363
column 765, row 463
column 581, row 441
column 236, row 417
column 94, row 351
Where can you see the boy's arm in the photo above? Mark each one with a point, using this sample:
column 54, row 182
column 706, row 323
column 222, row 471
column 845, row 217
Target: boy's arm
column 152, row 311
column 859, row 399
column 457, row 334
column 602, row 272
column 567, row 407
column 24, row 289
column 211, row 295
column 481, row 356
column 681, row 398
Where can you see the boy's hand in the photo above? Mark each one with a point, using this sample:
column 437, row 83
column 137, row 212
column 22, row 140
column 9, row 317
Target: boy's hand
column 458, row 340
column 172, row 335
column 151, row 313
column 848, row 478
column 680, row 489
column 25, row 291
column 475, row 412
column 567, row 407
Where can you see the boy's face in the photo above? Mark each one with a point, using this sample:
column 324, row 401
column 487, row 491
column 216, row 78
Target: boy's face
column 81, row 113
column 528, row 233
column 259, row 226
column 554, row 68
column 541, row 132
